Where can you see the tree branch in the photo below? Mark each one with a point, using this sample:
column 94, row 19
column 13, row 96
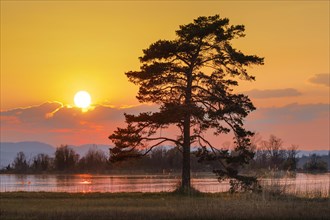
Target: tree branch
column 213, row 150
column 162, row 138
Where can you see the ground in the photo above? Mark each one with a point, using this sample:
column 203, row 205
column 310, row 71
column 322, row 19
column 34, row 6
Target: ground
column 98, row 206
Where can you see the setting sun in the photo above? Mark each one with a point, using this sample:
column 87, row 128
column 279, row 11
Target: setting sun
column 82, row 99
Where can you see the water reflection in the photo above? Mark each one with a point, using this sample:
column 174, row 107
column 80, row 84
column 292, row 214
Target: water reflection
column 147, row 183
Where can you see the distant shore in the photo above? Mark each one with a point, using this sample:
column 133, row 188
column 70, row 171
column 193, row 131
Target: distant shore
column 260, row 172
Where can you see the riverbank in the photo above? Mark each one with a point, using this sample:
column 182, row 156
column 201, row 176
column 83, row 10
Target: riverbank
column 45, row 205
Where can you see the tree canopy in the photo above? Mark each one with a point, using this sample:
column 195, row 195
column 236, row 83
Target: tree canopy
column 192, row 78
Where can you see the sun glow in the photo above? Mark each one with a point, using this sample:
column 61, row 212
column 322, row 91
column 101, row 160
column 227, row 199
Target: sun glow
column 82, row 99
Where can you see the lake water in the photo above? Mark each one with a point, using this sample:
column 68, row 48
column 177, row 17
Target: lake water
column 301, row 183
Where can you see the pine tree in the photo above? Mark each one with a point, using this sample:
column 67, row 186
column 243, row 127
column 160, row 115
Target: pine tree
column 191, row 78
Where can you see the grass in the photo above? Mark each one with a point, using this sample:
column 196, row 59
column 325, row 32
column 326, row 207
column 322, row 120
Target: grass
column 98, row 206
column 279, row 184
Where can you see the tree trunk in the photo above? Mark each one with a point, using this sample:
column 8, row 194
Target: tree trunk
column 185, row 185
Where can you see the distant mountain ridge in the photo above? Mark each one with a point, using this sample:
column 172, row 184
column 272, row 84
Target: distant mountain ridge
column 317, row 152
column 8, row 150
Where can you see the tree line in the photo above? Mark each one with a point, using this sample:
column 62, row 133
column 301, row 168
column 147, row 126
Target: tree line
column 66, row 160
column 269, row 155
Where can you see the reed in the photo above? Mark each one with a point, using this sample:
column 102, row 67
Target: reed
column 282, row 184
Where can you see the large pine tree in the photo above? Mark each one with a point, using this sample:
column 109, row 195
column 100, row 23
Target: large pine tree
column 191, row 78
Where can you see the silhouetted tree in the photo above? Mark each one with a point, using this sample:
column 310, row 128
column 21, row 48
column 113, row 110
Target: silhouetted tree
column 8, row 168
column 291, row 158
column 94, row 160
column 65, row 158
column 274, row 151
column 158, row 156
column 174, row 158
column 41, row 162
column 315, row 164
column 20, row 164
column 192, row 79
column 271, row 155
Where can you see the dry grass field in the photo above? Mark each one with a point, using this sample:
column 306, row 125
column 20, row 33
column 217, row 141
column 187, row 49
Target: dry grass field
column 97, row 206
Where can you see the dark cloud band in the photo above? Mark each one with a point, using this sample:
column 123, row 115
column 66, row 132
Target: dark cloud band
column 321, row 79
column 273, row 93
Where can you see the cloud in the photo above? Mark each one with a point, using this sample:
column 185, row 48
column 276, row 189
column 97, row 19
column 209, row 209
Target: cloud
column 56, row 124
column 321, row 79
column 293, row 113
column 33, row 113
column 273, row 93
column 306, row 125
column 55, row 115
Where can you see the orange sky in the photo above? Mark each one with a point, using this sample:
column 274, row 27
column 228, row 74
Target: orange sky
column 52, row 49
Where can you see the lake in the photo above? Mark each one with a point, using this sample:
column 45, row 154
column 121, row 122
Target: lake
column 301, row 183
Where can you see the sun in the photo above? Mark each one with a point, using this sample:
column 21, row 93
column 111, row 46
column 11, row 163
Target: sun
column 82, row 99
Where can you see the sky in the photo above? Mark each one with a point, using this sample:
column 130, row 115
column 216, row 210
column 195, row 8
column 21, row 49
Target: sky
column 52, row 49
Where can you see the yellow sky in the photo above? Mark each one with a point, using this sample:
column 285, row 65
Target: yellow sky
column 52, row 49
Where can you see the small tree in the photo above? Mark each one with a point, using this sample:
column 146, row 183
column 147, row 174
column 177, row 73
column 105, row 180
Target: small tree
column 65, row 158
column 315, row 164
column 94, row 160
column 291, row 158
column 20, row 164
column 173, row 158
column 274, row 151
column 191, row 78
column 41, row 162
